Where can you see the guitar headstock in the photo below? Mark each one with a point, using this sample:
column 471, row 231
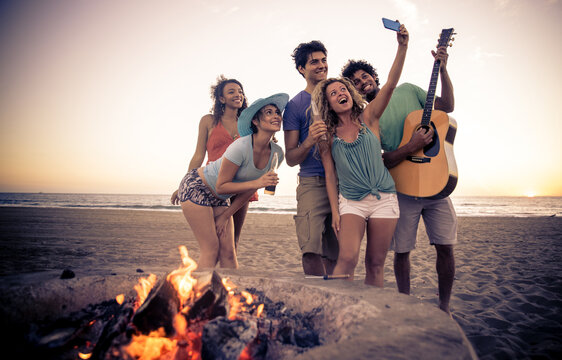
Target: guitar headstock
column 446, row 37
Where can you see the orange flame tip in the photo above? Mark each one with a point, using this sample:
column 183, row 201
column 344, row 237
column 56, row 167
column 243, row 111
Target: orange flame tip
column 120, row 298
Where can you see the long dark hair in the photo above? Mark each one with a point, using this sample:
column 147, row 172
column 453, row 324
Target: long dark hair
column 217, row 91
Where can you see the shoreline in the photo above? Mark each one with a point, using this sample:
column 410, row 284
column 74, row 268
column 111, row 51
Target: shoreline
column 507, row 295
column 255, row 211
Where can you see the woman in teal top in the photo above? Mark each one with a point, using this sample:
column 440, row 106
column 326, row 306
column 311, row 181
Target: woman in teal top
column 353, row 163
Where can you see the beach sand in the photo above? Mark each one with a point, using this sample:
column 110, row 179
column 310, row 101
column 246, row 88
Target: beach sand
column 507, row 295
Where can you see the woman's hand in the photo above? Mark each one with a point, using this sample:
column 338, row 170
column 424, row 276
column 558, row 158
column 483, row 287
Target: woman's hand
column 220, row 223
column 403, row 36
column 268, row 179
column 336, row 222
column 174, row 198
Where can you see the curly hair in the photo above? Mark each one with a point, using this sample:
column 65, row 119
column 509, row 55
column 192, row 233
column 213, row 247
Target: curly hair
column 353, row 65
column 217, row 91
column 329, row 115
column 301, row 52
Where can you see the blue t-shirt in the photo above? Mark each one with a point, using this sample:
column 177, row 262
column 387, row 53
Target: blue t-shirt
column 241, row 153
column 296, row 117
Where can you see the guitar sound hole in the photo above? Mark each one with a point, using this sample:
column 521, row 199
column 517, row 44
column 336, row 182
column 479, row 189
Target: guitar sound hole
column 432, row 149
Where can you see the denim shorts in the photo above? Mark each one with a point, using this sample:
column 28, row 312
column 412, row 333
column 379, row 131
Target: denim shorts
column 193, row 188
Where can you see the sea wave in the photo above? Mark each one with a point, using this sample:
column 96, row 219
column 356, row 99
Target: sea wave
column 464, row 206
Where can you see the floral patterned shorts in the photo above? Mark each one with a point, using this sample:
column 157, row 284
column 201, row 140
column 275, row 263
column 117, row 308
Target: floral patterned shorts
column 193, row 189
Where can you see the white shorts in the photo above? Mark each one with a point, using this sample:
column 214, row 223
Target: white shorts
column 371, row 207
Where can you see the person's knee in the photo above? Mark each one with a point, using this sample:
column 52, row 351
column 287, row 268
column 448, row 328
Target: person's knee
column 348, row 258
column 375, row 261
column 211, row 254
column 444, row 251
column 401, row 257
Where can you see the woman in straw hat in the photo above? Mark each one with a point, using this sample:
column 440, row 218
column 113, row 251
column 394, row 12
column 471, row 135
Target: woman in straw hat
column 204, row 192
column 353, row 164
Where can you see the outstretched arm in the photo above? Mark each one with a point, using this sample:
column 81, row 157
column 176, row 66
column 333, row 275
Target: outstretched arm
column 446, row 102
column 375, row 108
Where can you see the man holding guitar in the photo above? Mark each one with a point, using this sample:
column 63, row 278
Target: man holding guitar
column 438, row 213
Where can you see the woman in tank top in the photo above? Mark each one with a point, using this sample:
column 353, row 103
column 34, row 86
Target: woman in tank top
column 207, row 194
column 352, row 159
column 217, row 131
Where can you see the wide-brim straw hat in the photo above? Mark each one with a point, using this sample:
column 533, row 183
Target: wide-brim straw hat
column 245, row 119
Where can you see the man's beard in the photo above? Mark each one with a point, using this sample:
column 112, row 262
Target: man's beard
column 370, row 96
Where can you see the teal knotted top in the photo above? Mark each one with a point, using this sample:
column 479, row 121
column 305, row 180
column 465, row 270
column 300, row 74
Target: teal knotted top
column 360, row 168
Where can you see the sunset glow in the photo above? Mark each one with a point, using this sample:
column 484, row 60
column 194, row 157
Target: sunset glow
column 105, row 96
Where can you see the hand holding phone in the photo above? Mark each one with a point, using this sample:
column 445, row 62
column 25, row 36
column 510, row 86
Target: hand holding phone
column 391, row 24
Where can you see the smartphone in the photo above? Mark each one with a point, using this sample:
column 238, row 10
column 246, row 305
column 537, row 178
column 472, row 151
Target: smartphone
column 391, row 24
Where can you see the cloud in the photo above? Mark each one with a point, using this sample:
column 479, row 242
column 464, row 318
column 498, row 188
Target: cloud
column 480, row 56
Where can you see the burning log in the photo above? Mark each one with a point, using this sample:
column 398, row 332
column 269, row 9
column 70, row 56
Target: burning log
column 112, row 330
column 158, row 310
column 211, row 298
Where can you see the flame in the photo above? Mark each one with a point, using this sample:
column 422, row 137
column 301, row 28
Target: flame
column 259, row 310
column 120, row 298
column 242, row 302
column 181, row 278
column 180, row 325
column 186, row 343
column 228, row 285
column 151, row 346
column 143, row 289
column 248, row 296
column 84, row 356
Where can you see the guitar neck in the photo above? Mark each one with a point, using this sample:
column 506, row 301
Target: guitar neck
column 428, row 108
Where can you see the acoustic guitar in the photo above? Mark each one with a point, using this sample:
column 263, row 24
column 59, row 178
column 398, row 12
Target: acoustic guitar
column 432, row 171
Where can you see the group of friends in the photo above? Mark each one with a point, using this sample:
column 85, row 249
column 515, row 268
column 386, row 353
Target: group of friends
column 344, row 186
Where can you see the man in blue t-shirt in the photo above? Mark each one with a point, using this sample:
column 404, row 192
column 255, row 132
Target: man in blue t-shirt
column 317, row 240
column 438, row 214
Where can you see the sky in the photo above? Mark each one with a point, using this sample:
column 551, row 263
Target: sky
column 105, row 96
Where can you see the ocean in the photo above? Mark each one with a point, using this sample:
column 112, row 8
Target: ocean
column 464, row 205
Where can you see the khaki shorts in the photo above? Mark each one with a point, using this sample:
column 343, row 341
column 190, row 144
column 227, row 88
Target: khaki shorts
column 314, row 219
column 439, row 218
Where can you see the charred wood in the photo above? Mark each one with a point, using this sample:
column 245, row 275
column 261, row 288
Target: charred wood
column 158, row 310
column 226, row 339
column 212, row 299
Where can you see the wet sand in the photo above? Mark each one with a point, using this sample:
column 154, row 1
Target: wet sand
column 507, row 295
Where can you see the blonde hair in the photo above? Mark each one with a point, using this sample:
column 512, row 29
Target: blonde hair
column 328, row 115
